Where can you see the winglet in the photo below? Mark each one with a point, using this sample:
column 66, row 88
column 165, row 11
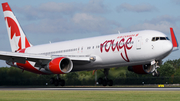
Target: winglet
column 174, row 40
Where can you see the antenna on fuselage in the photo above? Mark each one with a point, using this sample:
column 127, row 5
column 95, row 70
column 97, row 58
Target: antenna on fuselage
column 119, row 32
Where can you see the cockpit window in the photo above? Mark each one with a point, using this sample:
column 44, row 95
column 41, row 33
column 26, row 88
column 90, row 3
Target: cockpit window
column 159, row 38
column 162, row 38
column 167, row 38
column 153, row 39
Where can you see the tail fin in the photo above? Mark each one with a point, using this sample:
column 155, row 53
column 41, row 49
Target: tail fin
column 17, row 37
column 174, row 40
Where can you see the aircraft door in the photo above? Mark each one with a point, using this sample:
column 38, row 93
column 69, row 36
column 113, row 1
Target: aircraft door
column 138, row 45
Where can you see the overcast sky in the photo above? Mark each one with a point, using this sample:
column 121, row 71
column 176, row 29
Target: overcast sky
column 59, row 20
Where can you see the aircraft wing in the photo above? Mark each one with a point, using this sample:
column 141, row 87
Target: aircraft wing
column 22, row 57
column 38, row 58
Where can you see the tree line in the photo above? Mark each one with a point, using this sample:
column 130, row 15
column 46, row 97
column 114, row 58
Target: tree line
column 169, row 74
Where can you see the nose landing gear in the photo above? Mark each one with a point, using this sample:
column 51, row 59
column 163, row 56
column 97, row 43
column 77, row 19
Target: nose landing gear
column 155, row 73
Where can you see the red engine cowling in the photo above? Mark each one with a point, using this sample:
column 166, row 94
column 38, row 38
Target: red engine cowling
column 60, row 65
column 141, row 69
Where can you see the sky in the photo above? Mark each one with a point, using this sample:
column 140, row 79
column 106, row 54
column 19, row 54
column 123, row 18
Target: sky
column 45, row 21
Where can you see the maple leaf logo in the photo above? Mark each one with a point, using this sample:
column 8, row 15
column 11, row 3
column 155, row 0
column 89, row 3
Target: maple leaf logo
column 14, row 32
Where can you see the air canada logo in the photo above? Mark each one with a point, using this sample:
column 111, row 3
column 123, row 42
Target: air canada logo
column 123, row 44
column 15, row 33
column 14, row 28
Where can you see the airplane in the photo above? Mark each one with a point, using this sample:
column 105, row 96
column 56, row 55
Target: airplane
column 141, row 51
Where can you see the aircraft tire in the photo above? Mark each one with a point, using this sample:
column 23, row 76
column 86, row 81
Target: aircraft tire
column 100, row 81
column 157, row 74
column 56, row 82
column 104, row 83
column 62, row 82
column 51, row 80
column 110, row 82
column 154, row 74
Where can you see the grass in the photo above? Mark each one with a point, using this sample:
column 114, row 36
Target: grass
column 60, row 95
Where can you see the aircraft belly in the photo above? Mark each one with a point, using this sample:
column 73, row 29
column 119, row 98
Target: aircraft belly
column 93, row 66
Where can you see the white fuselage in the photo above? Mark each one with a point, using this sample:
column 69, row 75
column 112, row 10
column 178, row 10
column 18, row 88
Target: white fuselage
column 126, row 49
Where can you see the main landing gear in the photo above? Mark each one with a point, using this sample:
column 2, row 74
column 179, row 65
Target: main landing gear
column 57, row 81
column 105, row 81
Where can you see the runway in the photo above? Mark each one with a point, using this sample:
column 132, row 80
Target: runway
column 98, row 89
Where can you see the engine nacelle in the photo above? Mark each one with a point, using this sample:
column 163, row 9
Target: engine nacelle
column 60, row 65
column 141, row 69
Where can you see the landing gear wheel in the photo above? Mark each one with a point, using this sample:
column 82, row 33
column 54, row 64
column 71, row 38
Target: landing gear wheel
column 100, row 81
column 52, row 80
column 110, row 82
column 62, row 82
column 56, row 82
column 155, row 74
column 104, row 83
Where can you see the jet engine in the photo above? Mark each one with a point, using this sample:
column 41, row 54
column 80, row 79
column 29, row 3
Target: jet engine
column 60, row 65
column 141, row 69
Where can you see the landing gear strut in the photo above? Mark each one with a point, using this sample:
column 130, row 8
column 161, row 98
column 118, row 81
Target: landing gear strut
column 57, row 81
column 105, row 81
column 155, row 73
